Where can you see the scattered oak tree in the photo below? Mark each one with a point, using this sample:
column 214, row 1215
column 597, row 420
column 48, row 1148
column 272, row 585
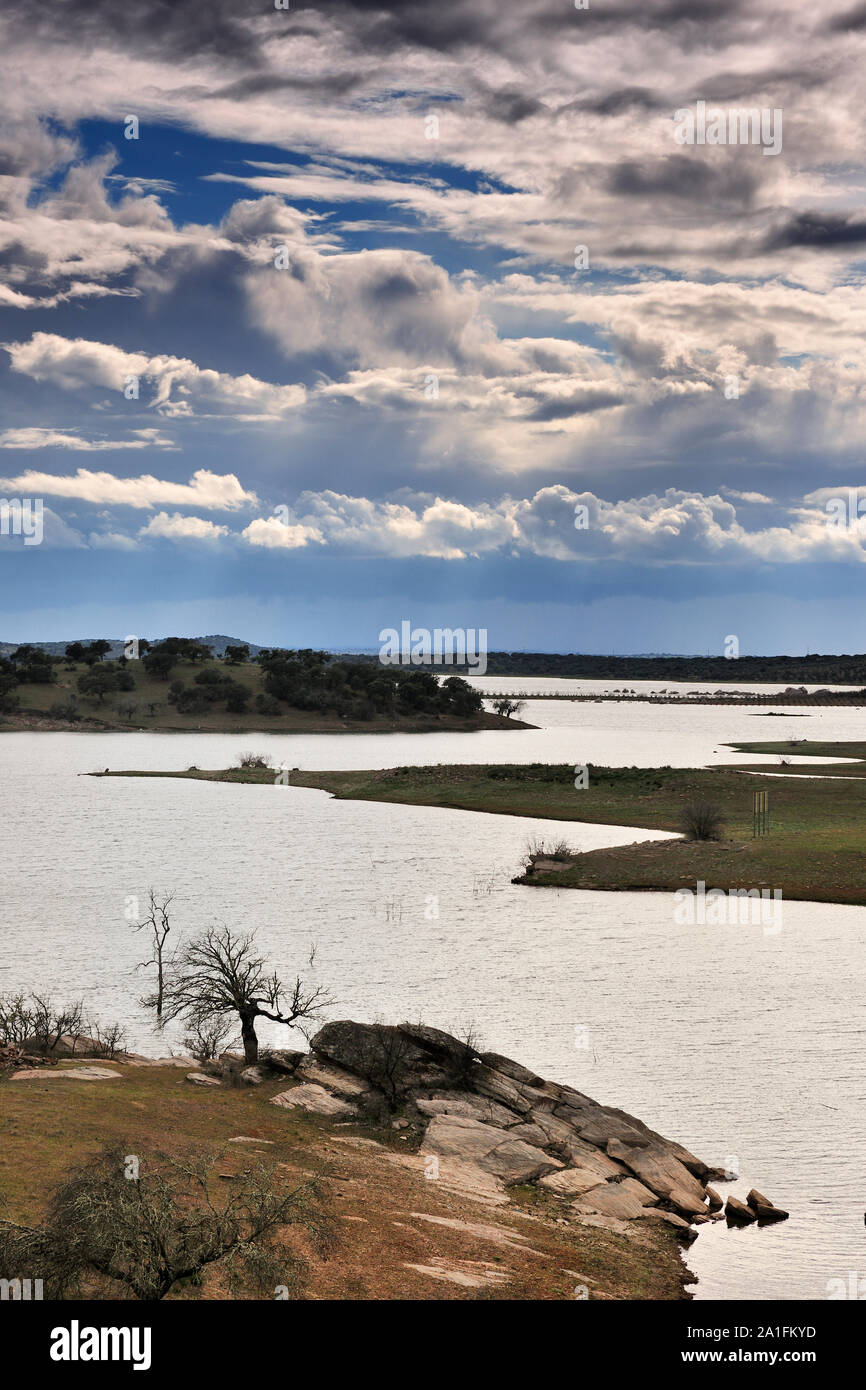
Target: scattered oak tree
column 507, row 707
column 142, row 1229
column 219, row 975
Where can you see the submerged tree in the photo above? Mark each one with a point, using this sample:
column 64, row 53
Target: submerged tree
column 158, row 923
column 142, row 1227
column 219, row 975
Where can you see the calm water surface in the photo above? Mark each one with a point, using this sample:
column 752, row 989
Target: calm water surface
column 747, row 1047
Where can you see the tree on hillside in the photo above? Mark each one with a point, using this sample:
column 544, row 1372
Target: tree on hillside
column 27, row 654
column 220, row 975
column 159, row 662
column 33, row 666
column 237, row 697
column 143, row 1231
column 95, row 685
column 234, row 655
column 165, row 655
column 9, row 700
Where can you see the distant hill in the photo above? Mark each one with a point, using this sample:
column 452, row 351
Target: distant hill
column 217, row 641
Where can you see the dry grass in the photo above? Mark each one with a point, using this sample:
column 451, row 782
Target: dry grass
column 48, row 1126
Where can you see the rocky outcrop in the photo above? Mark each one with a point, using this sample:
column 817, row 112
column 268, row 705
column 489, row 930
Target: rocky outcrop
column 282, row 1061
column 738, row 1213
column 315, row 1099
column 14, row 1058
column 67, row 1045
column 502, row 1152
column 484, row 1123
column 31, row 1053
column 88, row 1073
column 763, row 1207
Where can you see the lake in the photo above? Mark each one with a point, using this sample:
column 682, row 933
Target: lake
column 747, row 1047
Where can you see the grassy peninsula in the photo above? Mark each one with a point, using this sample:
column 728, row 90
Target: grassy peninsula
column 816, row 848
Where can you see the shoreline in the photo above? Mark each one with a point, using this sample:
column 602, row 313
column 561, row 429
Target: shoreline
column 34, row 722
column 522, row 1166
column 735, row 699
column 815, row 850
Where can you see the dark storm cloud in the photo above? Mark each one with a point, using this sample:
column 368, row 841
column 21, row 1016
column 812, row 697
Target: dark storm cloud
column 852, row 20
column 174, row 29
column 12, row 163
column 18, row 257
column 678, row 176
column 691, row 23
column 582, row 403
column 441, row 26
column 259, row 84
column 739, row 89
column 621, row 99
column 818, row 230
column 509, row 105
column 449, row 26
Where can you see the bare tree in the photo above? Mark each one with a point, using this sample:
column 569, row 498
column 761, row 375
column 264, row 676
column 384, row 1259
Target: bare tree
column 15, row 1019
column 109, row 1040
column 219, row 974
column 49, row 1022
column 37, row 1023
column 205, row 1041
column 159, row 924
column 143, row 1233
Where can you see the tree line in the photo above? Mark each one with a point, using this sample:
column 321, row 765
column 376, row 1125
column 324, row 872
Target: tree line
column 300, row 679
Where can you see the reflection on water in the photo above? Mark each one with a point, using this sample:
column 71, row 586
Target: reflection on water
column 744, row 1046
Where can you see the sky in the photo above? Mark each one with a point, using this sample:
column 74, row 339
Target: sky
column 316, row 320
